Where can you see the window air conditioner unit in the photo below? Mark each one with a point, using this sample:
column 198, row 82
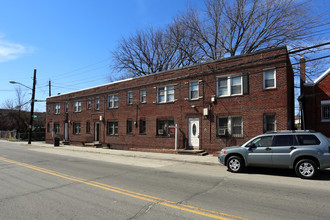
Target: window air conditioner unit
column 222, row 132
column 205, row 111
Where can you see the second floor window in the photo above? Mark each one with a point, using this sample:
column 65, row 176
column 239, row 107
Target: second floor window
column 143, row 96
column 165, row 94
column 97, row 103
column 57, row 108
column 269, row 79
column 113, row 101
column 230, row 85
column 89, row 104
column 77, row 106
column 193, row 90
column 130, row 98
column 66, row 107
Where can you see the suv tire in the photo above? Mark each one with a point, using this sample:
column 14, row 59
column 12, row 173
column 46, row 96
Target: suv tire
column 306, row 169
column 235, row 164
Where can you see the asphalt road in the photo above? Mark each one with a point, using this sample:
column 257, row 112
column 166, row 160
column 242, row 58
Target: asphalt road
column 40, row 183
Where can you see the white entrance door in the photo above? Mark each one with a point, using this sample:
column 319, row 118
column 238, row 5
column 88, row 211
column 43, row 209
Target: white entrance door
column 194, row 133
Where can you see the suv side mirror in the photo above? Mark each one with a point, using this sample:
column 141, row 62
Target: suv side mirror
column 251, row 145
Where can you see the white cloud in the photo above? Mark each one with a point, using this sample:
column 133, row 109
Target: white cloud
column 11, row 51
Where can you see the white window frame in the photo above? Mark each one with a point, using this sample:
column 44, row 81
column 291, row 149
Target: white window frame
column 66, row 107
column 264, row 78
column 167, row 93
column 323, row 104
column 57, row 109
column 190, row 90
column 143, row 96
column 229, row 85
column 113, row 101
column 130, row 97
column 88, row 103
column 77, row 106
column 230, row 125
column 114, row 126
column 97, row 103
column 76, row 128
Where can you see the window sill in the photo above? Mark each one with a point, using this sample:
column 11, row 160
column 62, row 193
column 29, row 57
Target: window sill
column 269, row 89
column 325, row 120
column 229, row 96
column 163, row 136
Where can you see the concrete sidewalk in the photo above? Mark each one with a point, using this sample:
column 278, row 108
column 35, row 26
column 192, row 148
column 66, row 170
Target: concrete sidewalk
column 205, row 160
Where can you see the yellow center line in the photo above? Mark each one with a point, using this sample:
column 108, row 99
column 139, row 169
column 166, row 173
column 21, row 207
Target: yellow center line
column 172, row 204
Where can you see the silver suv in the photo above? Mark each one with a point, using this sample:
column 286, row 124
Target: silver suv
column 304, row 151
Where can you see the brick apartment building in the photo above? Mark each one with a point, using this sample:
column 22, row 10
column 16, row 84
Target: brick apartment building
column 214, row 104
column 316, row 103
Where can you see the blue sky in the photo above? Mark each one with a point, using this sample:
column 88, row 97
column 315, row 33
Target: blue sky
column 69, row 41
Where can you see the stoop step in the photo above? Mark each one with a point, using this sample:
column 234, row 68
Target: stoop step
column 193, row 152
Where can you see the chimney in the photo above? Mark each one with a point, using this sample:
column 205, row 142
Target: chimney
column 302, row 74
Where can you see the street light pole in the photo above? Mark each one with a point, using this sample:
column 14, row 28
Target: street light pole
column 32, row 102
column 32, row 105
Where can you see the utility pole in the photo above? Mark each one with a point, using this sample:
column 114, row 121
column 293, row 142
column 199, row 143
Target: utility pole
column 32, row 105
column 50, row 88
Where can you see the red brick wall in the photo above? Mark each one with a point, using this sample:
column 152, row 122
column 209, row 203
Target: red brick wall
column 314, row 95
column 251, row 106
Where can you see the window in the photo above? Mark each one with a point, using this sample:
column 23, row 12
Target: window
column 66, row 107
column 56, row 128
column 269, row 79
column 193, row 90
column 113, row 101
column 308, row 140
column 142, row 126
column 77, row 106
column 130, row 98
column 97, row 103
column 48, row 109
column 163, row 126
column 265, row 141
column 76, row 128
column 88, row 127
column 284, row 140
column 230, row 85
column 89, row 102
column 143, row 96
column 112, row 128
column 57, row 108
column 165, row 94
column 129, row 126
column 325, row 111
column 269, row 122
column 230, row 125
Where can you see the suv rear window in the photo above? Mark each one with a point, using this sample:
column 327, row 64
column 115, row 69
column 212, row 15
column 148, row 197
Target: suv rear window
column 308, row 140
column 284, row 140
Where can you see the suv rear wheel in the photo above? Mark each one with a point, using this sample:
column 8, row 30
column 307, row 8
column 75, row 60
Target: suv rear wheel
column 306, row 169
column 235, row 164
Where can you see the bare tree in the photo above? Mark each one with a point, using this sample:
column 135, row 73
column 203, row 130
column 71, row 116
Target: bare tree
column 223, row 28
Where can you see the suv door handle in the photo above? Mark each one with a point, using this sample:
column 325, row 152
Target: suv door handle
column 268, row 149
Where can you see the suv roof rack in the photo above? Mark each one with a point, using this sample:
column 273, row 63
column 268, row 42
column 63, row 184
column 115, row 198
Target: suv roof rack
column 290, row 131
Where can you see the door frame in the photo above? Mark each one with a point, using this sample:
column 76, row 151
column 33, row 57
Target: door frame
column 190, row 124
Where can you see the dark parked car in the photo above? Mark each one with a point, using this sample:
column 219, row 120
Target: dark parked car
column 304, row 151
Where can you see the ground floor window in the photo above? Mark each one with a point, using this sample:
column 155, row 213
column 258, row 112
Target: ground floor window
column 269, row 122
column 129, row 126
column 163, row 126
column 142, row 126
column 56, row 128
column 325, row 111
column 76, row 128
column 112, row 128
column 230, row 125
column 88, row 127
